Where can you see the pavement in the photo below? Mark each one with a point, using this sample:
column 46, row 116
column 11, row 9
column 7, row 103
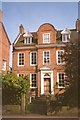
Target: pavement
column 38, row 117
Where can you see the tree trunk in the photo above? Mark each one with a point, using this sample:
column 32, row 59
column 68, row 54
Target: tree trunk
column 23, row 103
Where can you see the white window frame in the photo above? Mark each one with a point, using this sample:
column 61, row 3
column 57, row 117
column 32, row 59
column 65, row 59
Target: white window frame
column 58, row 79
column 57, row 57
column 49, row 57
column 44, row 37
column 18, row 58
column 66, row 36
column 26, row 40
column 30, row 100
column 31, row 81
column 31, row 58
column 20, row 74
column 4, row 67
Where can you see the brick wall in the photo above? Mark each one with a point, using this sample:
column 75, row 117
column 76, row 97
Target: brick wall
column 4, row 46
column 46, row 28
column 27, row 69
column 5, row 49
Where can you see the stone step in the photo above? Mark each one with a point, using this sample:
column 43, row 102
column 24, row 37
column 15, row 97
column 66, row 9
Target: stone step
column 43, row 99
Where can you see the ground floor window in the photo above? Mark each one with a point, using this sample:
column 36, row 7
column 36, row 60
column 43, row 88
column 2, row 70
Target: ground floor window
column 60, row 79
column 20, row 75
column 33, row 80
column 32, row 98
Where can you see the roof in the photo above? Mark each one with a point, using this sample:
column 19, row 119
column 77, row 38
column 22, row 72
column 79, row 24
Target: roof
column 45, row 24
column 66, row 31
column 27, row 34
column 73, row 34
column 19, row 41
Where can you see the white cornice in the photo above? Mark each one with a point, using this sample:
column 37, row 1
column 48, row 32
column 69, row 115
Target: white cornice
column 40, row 46
column 66, row 31
column 50, row 46
column 27, row 34
column 45, row 68
column 17, row 39
column 22, row 48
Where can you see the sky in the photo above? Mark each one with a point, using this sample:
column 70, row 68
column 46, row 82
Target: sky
column 33, row 14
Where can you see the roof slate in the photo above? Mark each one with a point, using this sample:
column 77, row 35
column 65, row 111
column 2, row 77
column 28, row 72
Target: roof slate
column 20, row 41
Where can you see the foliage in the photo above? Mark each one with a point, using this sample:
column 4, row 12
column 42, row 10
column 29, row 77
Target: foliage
column 79, row 71
column 71, row 70
column 13, row 87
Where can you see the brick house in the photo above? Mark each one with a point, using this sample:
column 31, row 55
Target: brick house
column 4, row 48
column 38, row 54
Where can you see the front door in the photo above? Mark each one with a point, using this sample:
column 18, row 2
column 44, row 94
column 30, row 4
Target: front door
column 47, row 86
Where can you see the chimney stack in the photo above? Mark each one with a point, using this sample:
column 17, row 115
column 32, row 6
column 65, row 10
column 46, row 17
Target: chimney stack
column 78, row 25
column 21, row 28
column 0, row 15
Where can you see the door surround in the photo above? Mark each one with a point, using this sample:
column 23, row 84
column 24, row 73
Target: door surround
column 43, row 72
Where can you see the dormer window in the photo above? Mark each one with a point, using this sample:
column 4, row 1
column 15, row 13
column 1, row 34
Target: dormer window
column 66, row 35
column 27, row 38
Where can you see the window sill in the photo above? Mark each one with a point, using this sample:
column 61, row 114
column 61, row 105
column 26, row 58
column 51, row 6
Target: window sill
column 33, row 65
column 61, row 87
column 46, row 42
column 20, row 65
column 46, row 64
column 60, row 63
column 33, row 87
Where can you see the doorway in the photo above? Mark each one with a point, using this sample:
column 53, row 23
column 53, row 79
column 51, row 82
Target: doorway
column 47, row 86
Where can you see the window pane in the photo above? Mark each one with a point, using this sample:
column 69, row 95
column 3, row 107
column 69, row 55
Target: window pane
column 33, row 58
column 65, row 37
column 21, row 58
column 21, row 75
column 46, row 57
column 28, row 40
column 33, row 80
column 46, row 38
column 61, row 79
column 60, row 57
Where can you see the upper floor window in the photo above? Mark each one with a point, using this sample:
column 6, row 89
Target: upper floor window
column 33, row 58
column 65, row 37
column 4, row 65
column 28, row 40
column 60, row 79
column 46, row 57
column 20, row 59
column 46, row 38
column 33, row 80
column 59, row 56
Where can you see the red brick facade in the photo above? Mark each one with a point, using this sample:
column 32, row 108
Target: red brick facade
column 4, row 48
column 43, row 71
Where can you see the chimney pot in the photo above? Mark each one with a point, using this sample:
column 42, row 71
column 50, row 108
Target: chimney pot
column 78, row 25
column 21, row 29
column 0, row 15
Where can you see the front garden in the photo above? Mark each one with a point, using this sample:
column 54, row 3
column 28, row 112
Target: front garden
column 15, row 100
